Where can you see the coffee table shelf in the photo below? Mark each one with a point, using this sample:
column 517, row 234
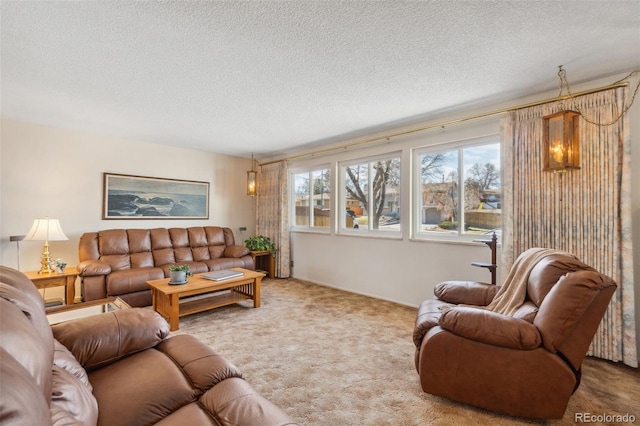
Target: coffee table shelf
column 188, row 307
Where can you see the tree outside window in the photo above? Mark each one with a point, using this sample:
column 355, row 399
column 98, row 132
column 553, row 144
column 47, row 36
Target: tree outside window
column 444, row 209
column 372, row 193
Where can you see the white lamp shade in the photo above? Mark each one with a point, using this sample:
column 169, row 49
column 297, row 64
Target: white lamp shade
column 46, row 230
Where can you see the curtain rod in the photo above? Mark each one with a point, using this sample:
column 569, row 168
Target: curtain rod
column 450, row 122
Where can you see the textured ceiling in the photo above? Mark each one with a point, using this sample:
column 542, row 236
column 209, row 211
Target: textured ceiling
column 266, row 77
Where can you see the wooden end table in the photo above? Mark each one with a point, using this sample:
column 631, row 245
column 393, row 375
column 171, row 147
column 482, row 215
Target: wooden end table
column 57, row 279
column 263, row 259
column 167, row 297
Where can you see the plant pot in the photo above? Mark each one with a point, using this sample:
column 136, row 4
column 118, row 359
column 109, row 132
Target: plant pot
column 178, row 277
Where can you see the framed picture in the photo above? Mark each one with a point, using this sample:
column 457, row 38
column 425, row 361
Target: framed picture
column 141, row 197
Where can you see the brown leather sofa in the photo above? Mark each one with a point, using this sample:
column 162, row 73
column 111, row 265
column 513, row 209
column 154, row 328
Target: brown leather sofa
column 119, row 262
column 526, row 364
column 117, row 368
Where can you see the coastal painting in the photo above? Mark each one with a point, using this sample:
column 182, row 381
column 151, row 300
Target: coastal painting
column 141, row 197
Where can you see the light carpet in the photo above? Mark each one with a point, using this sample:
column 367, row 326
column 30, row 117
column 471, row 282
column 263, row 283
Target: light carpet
column 329, row 357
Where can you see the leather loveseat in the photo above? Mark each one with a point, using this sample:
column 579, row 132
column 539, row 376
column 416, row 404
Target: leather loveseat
column 116, row 368
column 525, row 363
column 119, row 262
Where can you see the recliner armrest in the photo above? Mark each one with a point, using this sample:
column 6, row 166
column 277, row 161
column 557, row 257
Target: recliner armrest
column 466, row 292
column 102, row 339
column 90, row 268
column 491, row 328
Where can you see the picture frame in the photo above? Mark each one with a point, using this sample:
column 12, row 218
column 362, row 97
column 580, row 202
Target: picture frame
column 143, row 197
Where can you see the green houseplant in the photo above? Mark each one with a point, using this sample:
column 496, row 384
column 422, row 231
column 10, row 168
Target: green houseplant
column 178, row 274
column 260, row 243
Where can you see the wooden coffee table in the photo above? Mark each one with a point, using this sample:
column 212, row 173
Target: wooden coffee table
column 213, row 294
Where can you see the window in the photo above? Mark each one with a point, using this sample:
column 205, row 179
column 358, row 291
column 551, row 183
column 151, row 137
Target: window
column 370, row 194
column 458, row 189
column 312, row 199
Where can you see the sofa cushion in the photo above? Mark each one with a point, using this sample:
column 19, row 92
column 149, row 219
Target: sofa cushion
column 216, row 236
column 179, row 237
column 142, row 260
column 216, row 252
column 131, row 280
column 225, row 263
column 200, row 254
column 203, row 366
column 197, row 237
column 140, row 389
column 164, row 257
column 183, row 254
column 117, row 261
column 113, row 241
column 71, row 395
column 139, row 240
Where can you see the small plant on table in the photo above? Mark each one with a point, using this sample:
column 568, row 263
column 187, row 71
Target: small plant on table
column 179, row 273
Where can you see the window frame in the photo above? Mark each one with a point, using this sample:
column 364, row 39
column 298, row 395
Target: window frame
column 293, row 227
column 341, row 193
column 416, row 188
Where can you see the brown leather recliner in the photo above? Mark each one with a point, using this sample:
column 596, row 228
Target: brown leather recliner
column 117, row 368
column 526, row 364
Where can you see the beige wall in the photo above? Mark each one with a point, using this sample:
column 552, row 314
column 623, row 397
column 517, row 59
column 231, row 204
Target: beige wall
column 46, row 171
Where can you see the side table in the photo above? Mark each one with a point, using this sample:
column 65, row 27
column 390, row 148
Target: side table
column 55, row 279
column 263, row 259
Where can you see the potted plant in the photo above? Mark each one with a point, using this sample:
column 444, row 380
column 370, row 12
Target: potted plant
column 261, row 243
column 178, row 274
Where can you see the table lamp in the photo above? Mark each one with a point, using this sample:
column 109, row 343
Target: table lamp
column 46, row 230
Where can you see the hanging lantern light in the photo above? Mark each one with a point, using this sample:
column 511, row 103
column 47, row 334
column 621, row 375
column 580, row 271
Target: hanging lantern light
column 252, row 182
column 561, row 135
column 561, row 141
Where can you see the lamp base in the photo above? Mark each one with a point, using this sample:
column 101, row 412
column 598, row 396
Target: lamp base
column 46, row 260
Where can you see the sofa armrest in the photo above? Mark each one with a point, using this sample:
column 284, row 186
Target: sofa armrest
column 491, row 328
column 90, row 268
column 102, row 339
column 466, row 292
column 236, row 251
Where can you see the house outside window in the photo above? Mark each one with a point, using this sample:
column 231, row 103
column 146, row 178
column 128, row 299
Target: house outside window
column 370, row 195
column 457, row 190
column 311, row 199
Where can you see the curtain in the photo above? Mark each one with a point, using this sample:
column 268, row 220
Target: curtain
column 272, row 212
column 586, row 212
